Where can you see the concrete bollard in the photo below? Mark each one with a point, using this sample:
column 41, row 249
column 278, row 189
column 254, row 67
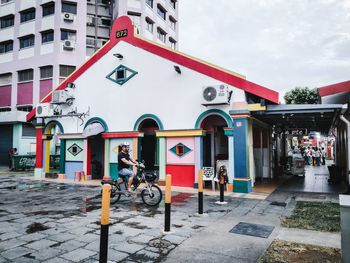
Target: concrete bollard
column 167, row 203
column 200, row 192
column 106, row 202
column 344, row 201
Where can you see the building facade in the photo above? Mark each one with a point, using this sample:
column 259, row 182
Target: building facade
column 160, row 101
column 42, row 42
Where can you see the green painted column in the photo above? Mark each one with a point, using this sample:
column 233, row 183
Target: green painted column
column 62, row 155
column 107, row 159
column 162, row 158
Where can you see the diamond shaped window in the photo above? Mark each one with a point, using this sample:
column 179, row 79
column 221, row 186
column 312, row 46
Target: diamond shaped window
column 74, row 149
column 121, row 74
column 180, row 150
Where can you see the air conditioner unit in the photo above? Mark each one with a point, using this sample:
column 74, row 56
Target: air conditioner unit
column 68, row 45
column 62, row 97
column 44, row 110
column 216, row 95
column 68, row 17
column 90, row 21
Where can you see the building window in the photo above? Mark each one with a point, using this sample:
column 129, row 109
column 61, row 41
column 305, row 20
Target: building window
column 105, row 22
column 149, row 3
column 27, row 15
column 47, row 36
column 135, row 18
column 28, row 130
column 172, row 43
column 48, row 9
column 6, row 46
column 161, row 34
column 161, row 11
column 46, row 72
column 5, row 79
column 26, row 41
column 68, row 35
column 172, row 22
column 7, row 21
column 65, row 70
column 173, row 3
column 6, row 1
column 68, row 7
column 25, row 75
column 149, row 24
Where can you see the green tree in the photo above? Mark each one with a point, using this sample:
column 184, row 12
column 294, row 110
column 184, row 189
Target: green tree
column 301, row 95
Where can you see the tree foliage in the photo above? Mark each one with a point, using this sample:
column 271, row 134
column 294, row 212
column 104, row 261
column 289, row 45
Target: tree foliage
column 301, row 95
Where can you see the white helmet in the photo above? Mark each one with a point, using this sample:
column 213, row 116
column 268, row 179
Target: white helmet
column 124, row 144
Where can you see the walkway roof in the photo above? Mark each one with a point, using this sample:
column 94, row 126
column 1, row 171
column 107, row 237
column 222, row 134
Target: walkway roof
column 314, row 117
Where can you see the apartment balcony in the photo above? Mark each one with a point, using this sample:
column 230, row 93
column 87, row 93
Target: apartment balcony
column 26, row 52
column 6, row 57
column 47, row 22
column 27, row 28
column 7, row 33
column 13, row 116
column 27, row 4
column 7, row 9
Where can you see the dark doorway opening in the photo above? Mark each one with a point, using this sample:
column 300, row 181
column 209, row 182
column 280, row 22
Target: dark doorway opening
column 96, row 144
column 149, row 144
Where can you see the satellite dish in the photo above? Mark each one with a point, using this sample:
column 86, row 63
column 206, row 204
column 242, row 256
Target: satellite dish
column 209, row 93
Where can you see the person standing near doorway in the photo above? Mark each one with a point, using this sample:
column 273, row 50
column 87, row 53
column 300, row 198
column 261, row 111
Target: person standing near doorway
column 323, row 156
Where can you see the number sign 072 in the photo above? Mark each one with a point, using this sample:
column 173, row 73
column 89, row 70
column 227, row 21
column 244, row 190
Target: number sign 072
column 122, row 33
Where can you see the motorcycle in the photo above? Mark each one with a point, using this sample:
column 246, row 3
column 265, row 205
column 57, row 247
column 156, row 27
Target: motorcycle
column 151, row 194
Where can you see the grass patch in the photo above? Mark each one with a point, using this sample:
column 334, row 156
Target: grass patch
column 288, row 252
column 319, row 216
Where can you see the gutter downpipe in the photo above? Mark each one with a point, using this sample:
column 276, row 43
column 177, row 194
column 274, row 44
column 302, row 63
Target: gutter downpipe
column 348, row 143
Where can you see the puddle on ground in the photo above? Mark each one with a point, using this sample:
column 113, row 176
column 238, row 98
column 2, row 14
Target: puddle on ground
column 180, row 198
column 136, row 225
column 36, row 227
column 275, row 203
column 196, row 227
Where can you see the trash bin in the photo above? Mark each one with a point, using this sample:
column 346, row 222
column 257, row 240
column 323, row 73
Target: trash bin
column 23, row 162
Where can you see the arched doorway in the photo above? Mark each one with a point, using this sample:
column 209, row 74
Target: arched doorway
column 96, row 145
column 215, row 142
column 148, row 144
column 52, row 146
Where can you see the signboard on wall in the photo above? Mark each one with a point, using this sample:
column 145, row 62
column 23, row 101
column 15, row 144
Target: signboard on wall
column 296, row 132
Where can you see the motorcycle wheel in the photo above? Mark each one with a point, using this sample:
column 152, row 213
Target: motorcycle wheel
column 114, row 194
column 153, row 198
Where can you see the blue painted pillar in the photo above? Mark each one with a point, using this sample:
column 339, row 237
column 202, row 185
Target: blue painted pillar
column 241, row 181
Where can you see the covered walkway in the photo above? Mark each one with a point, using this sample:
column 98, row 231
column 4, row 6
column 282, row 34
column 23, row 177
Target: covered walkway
column 315, row 181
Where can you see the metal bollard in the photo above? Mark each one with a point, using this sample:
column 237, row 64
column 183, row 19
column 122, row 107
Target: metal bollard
column 200, row 192
column 222, row 190
column 106, row 198
column 167, row 203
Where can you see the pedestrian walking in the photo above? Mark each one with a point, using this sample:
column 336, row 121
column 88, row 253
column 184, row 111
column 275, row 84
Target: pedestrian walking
column 318, row 156
column 313, row 155
column 323, row 156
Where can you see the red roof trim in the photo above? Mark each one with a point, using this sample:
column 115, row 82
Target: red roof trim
column 125, row 23
column 334, row 88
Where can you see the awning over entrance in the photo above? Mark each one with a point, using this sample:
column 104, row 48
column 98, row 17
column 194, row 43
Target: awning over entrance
column 314, row 117
column 93, row 129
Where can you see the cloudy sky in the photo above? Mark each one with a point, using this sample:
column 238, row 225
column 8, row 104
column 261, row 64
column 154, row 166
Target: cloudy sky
column 280, row 44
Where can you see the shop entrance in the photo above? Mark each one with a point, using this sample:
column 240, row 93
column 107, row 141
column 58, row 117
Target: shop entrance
column 52, row 148
column 215, row 143
column 149, row 144
column 96, row 144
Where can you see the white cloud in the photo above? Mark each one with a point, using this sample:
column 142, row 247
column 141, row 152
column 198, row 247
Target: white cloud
column 276, row 43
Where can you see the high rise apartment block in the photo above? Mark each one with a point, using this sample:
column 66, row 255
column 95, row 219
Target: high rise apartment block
column 43, row 41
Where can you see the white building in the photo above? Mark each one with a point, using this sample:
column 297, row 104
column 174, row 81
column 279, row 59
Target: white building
column 42, row 42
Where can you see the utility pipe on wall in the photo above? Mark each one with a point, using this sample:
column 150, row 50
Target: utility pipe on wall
column 348, row 143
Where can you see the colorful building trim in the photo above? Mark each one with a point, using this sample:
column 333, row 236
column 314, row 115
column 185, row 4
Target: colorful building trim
column 173, row 129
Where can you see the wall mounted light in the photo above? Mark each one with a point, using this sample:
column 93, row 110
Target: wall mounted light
column 70, row 85
column 117, row 55
column 177, row 69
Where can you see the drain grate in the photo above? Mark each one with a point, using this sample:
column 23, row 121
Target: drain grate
column 278, row 203
column 254, row 230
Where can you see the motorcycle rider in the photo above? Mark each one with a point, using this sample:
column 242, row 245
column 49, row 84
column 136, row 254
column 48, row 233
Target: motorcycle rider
column 124, row 163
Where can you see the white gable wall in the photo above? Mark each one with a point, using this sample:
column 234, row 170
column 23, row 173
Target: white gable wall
column 157, row 89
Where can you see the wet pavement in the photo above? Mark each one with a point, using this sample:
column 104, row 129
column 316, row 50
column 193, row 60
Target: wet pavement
column 51, row 222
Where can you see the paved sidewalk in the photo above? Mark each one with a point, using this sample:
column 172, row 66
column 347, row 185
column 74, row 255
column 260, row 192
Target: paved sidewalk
column 304, row 236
